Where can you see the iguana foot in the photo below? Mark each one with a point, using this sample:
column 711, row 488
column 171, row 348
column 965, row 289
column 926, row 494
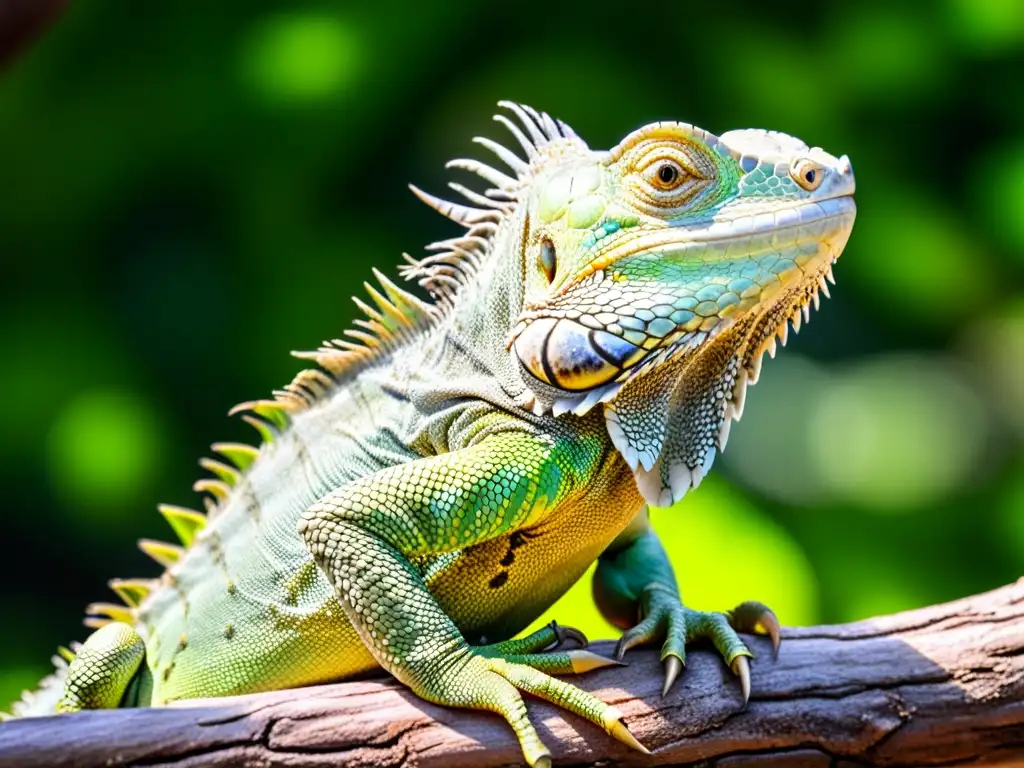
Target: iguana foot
column 549, row 637
column 494, row 683
column 664, row 616
column 540, row 651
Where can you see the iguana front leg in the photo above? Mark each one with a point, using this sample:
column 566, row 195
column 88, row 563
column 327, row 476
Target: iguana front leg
column 362, row 537
column 101, row 674
column 635, row 589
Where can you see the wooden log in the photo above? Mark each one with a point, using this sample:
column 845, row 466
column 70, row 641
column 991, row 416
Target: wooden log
column 938, row 686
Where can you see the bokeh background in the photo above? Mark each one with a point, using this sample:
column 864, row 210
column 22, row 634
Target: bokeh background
column 190, row 192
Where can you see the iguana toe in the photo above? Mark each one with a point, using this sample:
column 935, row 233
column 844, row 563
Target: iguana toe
column 565, row 695
column 741, row 668
column 756, row 617
column 673, row 666
column 550, row 637
column 539, row 650
column 574, row 662
column 564, row 633
column 665, row 618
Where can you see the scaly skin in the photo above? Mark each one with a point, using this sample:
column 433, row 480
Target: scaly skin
column 419, row 500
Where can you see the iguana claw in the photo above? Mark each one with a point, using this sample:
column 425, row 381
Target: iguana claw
column 584, row 661
column 741, row 668
column 563, row 633
column 620, row 732
column 673, row 666
column 756, row 617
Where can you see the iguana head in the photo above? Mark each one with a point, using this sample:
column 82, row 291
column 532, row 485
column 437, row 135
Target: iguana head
column 657, row 273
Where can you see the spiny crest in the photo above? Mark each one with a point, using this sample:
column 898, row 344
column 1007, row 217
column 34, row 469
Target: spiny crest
column 457, row 260
column 392, row 317
column 43, row 700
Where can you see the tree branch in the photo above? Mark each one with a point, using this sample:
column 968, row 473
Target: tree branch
column 938, row 686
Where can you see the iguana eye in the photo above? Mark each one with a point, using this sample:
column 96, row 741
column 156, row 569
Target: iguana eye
column 664, row 176
column 667, row 175
column 807, row 173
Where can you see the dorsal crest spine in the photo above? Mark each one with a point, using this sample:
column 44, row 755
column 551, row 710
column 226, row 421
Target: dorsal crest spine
column 392, row 317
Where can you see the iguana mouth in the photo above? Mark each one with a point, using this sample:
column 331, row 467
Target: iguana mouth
column 759, row 339
column 807, row 216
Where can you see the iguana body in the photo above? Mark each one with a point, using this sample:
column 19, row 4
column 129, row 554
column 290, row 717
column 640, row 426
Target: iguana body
column 427, row 492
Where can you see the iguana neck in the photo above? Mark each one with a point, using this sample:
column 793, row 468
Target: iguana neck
column 488, row 307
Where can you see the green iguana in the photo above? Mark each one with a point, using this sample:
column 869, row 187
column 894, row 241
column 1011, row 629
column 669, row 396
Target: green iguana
column 450, row 468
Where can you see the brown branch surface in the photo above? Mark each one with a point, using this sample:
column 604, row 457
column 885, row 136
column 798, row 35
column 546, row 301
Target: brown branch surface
column 938, row 686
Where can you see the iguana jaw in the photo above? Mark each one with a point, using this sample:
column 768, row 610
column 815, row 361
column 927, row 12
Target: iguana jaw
column 806, row 242
column 671, row 451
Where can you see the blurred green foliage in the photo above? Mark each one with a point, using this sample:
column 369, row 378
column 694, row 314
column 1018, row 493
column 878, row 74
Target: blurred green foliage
column 191, row 192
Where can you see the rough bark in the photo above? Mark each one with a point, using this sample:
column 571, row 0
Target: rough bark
column 938, row 686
